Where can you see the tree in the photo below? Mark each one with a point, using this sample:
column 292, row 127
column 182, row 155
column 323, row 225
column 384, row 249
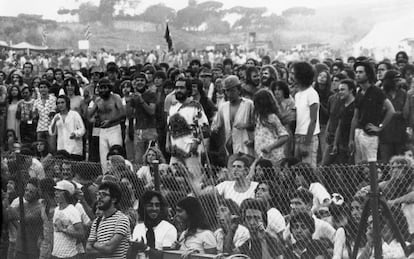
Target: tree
column 106, row 11
column 250, row 17
column 158, row 14
column 190, row 18
column 298, row 11
column 217, row 26
column 88, row 13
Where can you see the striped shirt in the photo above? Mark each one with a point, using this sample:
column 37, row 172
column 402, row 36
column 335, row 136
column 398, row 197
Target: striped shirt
column 117, row 223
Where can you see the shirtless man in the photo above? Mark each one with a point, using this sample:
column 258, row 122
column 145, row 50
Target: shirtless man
column 110, row 113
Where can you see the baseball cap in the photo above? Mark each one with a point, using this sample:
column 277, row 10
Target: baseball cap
column 65, row 185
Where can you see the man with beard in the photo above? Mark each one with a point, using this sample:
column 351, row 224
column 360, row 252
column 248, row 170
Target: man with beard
column 187, row 126
column 142, row 108
column 110, row 232
column 268, row 75
column 369, row 119
column 252, row 82
column 110, row 111
column 237, row 117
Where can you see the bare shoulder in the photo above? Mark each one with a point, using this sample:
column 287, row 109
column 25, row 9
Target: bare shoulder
column 116, row 97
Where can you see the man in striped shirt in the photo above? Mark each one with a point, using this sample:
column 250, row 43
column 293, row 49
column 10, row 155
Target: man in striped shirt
column 110, row 233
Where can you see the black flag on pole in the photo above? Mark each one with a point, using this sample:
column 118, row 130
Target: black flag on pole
column 167, row 37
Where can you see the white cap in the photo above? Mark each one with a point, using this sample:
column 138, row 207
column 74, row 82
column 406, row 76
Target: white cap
column 65, row 185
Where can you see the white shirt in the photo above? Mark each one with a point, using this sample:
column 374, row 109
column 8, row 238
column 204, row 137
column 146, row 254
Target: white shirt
column 201, row 240
column 321, row 197
column 64, row 128
column 275, row 221
column 226, row 189
column 165, row 234
column 63, row 244
column 303, row 100
column 241, row 235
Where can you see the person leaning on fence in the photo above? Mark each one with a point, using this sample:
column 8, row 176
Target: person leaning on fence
column 302, row 226
column 155, row 233
column 301, row 201
column 25, row 246
column 110, row 232
column 269, row 192
column 67, row 222
column 262, row 244
column 197, row 237
column 231, row 234
column 240, row 188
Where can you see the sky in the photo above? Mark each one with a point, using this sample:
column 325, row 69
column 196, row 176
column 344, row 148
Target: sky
column 49, row 8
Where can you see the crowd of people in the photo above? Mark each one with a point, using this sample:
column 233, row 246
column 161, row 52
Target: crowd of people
column 222, row 156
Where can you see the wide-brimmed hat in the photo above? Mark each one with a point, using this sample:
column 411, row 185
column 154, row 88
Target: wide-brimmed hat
column 230, row 82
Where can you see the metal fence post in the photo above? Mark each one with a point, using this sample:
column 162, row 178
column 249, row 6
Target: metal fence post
column 375, row 210
column 157, row 181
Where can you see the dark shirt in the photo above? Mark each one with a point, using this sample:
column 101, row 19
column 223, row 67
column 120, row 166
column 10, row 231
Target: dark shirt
column 335, row 106
column 144, row 120
column 347, row 113
column 394, row 132
column 33, row 226
column 55, row 88
column 370, row 107
column 324, row 95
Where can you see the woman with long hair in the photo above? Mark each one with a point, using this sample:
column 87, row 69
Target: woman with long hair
column 200, row 96
column 323, row 88
column 269, row 192
column 154, row 233
column 13, row 97
column 71, row 90
column 127, row 91
column 269, row 135
column 197, row 237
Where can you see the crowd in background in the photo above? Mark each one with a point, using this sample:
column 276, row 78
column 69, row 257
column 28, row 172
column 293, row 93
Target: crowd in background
column 237, row 141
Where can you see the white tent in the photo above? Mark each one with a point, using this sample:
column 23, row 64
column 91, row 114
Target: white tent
column 25, row 45
column 386, row 38
column 3, row 43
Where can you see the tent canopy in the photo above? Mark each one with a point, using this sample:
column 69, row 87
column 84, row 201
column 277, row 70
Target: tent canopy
column 3, row 43
column 25, row 45
column 387, row 35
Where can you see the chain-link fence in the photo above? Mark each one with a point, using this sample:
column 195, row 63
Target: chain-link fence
column 332, row 196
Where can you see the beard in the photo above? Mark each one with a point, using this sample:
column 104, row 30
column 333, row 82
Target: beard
column 105, row 205
column 180, row 96
column 266, row 81
column 105, row 95
column 256, row 82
